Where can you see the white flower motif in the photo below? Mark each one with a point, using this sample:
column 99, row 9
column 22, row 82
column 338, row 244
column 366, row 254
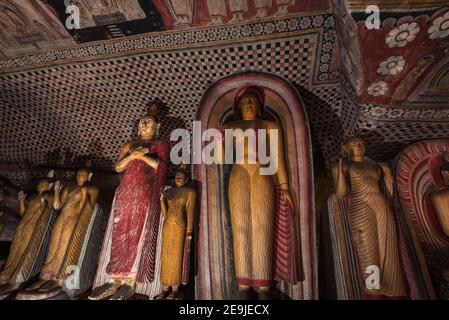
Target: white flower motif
column 305, row 22
column 326, row 57
column 378, row 89
column 440, row 27
column 402, row 35
column 324, row 67
column 378, row 111
column 392, row 66
column 318, row 21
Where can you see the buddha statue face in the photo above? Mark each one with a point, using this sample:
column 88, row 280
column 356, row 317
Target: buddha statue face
column 180, row 179
column 82, row 176
column 249, row 106
column 148, row 128
column 355, row 148
column 43, row 186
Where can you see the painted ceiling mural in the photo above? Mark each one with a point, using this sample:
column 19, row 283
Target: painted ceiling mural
column 404, row 62
column 390, row 85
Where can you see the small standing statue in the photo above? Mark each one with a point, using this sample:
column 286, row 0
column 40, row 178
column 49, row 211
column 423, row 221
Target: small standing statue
column 178, row 210
column 27, row 249
column 76, row 205
column 135, row 213
column 371, row 216
column 440, row 198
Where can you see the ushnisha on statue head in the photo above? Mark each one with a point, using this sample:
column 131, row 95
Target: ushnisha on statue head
column 149, row 125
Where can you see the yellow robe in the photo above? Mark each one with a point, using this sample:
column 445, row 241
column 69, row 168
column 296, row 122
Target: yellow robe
column 28, row 239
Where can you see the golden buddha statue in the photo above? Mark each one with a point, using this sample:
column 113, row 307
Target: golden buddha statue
column 36, row 214
column 178, row 210
column 252, row 198
column 76, row 205
column 371, row 217
column 440, row 198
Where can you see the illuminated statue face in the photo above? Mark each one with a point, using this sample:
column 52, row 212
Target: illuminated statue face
column 82, row 176
column 148, row 127
column 43, row 186
column 180, row 179
column 249, row 106
column 356, row 147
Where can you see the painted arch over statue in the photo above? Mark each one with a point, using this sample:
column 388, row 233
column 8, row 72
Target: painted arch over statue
column 295, row 256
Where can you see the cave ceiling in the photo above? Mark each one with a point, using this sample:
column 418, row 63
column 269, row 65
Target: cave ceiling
column 59, row 84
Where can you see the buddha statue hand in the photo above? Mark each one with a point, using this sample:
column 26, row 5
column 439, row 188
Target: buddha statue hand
column 340, row 165
column 84, row 194
column 58, row 186
column 138, row 153
column 22, row 196
column 288, row 197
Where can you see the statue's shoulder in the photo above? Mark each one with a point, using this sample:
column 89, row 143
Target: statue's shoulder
column 161, row 145
column 440, row 194
column 191, row 190
column 271, row 125
column 93, row 188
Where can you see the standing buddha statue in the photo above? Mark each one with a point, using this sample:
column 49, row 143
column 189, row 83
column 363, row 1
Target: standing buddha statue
column 372, row 223
column 76, row 205
column 440, row 198
column 178, row 210
column 252, row 200
column 28, row 238
column 136, row 211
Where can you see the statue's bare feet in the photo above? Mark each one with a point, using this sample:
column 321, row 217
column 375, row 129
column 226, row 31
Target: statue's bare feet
column 4, row 280
column 264, row 294
column 124, row 293
column 39, row 283
column 8, row 288
column 161, row 296
column 50, row 286
column 243, row 294
column 175, row 295
column 104, row 291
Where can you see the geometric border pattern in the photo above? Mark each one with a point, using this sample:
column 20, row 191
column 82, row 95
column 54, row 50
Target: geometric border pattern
column 173, row 40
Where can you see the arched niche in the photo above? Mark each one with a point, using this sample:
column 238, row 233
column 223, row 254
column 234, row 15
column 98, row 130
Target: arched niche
column 215, row 278
column 417, row 178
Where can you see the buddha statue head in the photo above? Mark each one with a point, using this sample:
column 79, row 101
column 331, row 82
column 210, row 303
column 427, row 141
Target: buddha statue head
column 44, row 186
column 149, row 125
column 445, row 170
column 82, row 176
column 181, row 177
column 249, row 103
column 355, row 148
